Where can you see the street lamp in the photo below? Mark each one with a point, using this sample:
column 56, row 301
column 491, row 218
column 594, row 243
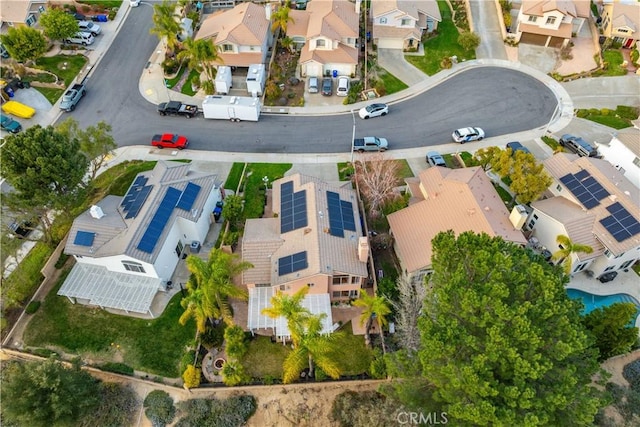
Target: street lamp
column 553, row 116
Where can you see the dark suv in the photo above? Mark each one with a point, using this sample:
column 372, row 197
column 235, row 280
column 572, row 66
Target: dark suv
column 578, row 145
column 327, row 86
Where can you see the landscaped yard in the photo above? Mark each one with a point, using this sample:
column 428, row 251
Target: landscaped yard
column 254, row 185
column 444, row 45
column 612, row 61
column 619, row 118
column 154, row 346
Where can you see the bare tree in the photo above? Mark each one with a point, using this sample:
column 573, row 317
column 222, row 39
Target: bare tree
column 408, row 310
column 377, row 176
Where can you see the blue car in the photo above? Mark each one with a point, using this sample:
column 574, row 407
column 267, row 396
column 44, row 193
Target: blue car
column 10, row 125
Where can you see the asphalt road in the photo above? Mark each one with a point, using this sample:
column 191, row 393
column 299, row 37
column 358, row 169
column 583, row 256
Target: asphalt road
column 499, row 100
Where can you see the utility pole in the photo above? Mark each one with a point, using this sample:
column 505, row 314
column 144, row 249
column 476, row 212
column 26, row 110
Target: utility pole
column 366, row 48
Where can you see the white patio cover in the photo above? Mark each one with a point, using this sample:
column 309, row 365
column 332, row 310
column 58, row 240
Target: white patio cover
column 260, row 298
column 109, row 289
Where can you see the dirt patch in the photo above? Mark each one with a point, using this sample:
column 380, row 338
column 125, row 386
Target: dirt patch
column 283, row 87
column 615, row 365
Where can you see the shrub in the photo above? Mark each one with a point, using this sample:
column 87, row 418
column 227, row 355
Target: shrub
column 237, row 345
column 378, row 366
column 159, row 408
column 626, row 112
column 32, row 307
column 61, row 260
column 351, row 408
column 191, row 377
column 446, row 63
column 187, row 359
column 233, row 373
column 170, row 66
column 213, row 336
column 634, row 56
column 631, row 373
column 118, row 368
column 43, row 352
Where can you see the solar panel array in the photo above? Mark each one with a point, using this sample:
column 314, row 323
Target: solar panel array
column 159, row 221
column 292, row 263
column 188, row 196
column 135, row 197
column 585, row 187
column 293, row 208
column 84, row 238
column 340, row 215
column 621, row 224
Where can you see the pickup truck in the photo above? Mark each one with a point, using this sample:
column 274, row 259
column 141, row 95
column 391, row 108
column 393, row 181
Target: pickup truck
column 176, row 108
column 169, row 140
column 370, row 143
column 72, row 96
column 10, row 125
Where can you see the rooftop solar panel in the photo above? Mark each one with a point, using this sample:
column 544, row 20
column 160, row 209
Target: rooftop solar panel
column 84, row 238
column 585, row 187
column 581, row 174
column 159, row 221
column 620, row 224
column 136, row 205
column 292, row 263
column 348, row 221
column 188, row 197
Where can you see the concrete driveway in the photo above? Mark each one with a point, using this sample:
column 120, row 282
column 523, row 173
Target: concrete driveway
column 393, row 61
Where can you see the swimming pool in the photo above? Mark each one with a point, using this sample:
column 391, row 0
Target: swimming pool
column 591, row 302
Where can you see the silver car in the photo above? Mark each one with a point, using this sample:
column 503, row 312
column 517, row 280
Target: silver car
column 435, row 159
column 313, row 85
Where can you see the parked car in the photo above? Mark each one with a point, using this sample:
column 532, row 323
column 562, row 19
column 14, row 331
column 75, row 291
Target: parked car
column 343, row 86
column 327, row 86
column 134, row 3
column 313, row 85
column 373, row 110
column 578, row 145
column 17, row 109
column 435, row 159
column 607, row 277
column 170, row 140
column 10, row 125
column 89, row 27
column 85, row 39
column 516, row 146
column 463, row 135
column 21, row 229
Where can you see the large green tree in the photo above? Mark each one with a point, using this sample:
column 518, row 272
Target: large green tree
column 58, row 24
column 502, row 343
column 528, row 178
column 373, row 307
column 611, row 327
column 213, row 284
column 564, row 255
column 165, row 24
column 313, row 349
column 290, row 307
column 201, row 56
column 46, row 169
column 96, row 142
column 24, row 43
column 47, row 393
column 280, row 19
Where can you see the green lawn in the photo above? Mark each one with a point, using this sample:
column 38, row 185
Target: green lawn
column 551, row 142
column 154, row 346
column 186, row 88
column 445, row 44
column 233, row 179
column 51, row 94
column 66, row 67
column 613, row 59
column 390, row 82
column 26, row 278
column 254, row 186
column 619, row 118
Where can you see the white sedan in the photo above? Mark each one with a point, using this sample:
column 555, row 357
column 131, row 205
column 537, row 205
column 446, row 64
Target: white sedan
column 373, row 110
column 468, row 134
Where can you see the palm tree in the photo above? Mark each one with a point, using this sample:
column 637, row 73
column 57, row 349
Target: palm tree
column 201, row 56
column 313, row 349
column 197, row 305
column 165, row 23
column 280, row 19
column 567, row 249
column 374, row 307
column 214, row 278
column 289, row 307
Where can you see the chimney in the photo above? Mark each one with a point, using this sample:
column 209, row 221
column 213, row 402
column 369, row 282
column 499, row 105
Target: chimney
column 96, row 212
column 363, row 249
column 358, row 6
column 518, row 216
column 267, row 12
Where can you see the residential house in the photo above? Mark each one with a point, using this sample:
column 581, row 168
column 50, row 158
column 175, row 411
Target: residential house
column 623, row 152
column 551, row 22
column 593, row 204
column 127, row 248
column 242, row 34
column 17, row 13
column 621, row 21
column 327, row 34
column 399, row 24
column 314, row 240
column 447, row 199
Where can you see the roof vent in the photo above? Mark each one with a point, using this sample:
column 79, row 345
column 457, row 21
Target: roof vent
column 96, row 212
column 307, row 230
column 471, row 211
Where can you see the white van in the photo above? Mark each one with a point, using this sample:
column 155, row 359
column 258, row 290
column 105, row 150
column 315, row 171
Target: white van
column 82, row 38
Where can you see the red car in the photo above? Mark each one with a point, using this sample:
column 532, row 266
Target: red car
column 170, row 140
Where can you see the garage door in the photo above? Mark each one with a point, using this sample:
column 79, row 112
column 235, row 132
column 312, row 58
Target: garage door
column 389, row 43
column 556, row 42
column 313, row 69
column 536, row 39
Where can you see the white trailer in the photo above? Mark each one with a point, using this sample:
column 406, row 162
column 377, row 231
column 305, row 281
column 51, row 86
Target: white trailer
column 223, row 80
column 234, row 108
column 255, row 79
